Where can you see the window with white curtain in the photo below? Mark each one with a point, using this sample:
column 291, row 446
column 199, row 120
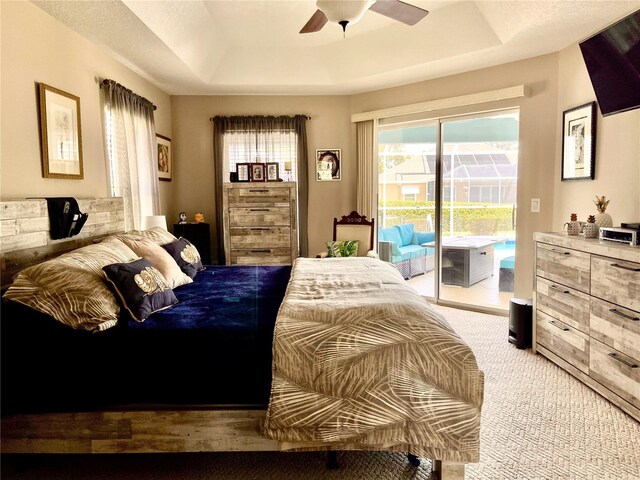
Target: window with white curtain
column 262, row 147
column 130, row 150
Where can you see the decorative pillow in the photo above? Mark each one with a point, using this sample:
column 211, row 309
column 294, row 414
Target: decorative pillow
column 186, row 256
column 157, row 235
column 71, row 288
column 141, row 287
column 343, row 248
column 159, row 258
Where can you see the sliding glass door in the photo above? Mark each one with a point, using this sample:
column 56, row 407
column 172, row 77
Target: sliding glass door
column 406, row 198
column 477, row 214
column 459, row 176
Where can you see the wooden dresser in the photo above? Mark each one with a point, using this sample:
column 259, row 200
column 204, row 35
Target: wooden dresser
column 587, row 313
column 260, row 223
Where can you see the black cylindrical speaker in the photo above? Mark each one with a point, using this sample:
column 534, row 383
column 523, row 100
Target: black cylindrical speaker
column 520, row 322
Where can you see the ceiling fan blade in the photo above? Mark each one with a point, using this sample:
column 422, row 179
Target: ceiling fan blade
column 403, row 12
column 315, row 23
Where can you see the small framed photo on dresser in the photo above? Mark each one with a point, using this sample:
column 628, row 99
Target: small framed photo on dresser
column 242, row 170
column 258, row 172
column 273, row 172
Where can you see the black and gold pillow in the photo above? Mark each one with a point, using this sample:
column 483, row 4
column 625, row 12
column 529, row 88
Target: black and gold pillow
column 186, row 256
column 141, row 287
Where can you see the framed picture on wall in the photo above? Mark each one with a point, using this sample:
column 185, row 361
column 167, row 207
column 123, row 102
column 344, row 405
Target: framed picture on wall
column 328, row 164
column 258, row 172
column 579, row 142
column 242, row 169
column 165, row 160
column 273, row 172
column 60, row 134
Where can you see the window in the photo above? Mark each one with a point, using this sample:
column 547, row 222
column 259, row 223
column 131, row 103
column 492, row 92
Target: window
column 130, row 144
column 410, row 192
column 262, row 147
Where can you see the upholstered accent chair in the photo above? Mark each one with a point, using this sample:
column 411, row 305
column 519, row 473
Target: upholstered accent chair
column 354, row 227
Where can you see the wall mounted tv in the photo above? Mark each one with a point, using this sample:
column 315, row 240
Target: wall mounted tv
column 613, row 62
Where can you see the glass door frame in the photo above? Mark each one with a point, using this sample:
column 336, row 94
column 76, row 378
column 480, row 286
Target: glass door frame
column 439, row 125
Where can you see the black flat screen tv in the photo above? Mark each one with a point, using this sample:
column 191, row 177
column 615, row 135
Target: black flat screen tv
column 612, row 58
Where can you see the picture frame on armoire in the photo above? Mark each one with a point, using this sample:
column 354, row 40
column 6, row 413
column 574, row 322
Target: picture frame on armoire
column 257, row 172
column 242, row 171
column 579, row 142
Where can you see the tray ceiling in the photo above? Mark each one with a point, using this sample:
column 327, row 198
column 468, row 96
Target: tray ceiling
column 253, row 47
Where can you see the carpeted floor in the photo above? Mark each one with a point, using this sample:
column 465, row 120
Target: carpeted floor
column 537, row 423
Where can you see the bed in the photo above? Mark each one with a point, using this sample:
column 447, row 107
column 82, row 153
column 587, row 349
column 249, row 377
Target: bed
column 438, row 414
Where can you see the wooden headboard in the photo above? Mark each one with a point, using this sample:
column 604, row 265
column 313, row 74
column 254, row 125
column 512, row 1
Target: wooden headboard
column 24, row 231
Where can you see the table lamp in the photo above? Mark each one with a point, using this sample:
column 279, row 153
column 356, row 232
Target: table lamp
column 151, row 221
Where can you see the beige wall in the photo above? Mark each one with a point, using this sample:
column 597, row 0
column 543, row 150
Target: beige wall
column 617, row 172
column 538, row 123
column 329, row 127
column 37, row 48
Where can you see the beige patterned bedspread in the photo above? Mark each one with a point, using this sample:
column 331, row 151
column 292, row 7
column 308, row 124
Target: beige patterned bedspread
column 361, row 361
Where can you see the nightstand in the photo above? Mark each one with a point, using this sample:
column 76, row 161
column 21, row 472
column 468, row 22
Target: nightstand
column 198, row 234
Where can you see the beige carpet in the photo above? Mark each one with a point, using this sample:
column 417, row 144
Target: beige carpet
column 537, row 423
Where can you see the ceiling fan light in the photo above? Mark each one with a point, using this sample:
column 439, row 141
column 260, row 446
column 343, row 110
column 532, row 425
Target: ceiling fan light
column 344, row 10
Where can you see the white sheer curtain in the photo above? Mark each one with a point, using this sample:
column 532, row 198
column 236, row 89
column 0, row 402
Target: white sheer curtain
column 261, row 147
column 130, row 144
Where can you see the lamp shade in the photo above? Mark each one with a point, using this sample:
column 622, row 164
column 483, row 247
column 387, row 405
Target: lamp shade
column 151, row 221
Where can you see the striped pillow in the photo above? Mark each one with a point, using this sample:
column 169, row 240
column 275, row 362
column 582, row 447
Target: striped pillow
column 157, row 235
column 72, row 288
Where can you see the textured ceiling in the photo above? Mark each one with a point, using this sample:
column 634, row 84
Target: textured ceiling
column 253, row 46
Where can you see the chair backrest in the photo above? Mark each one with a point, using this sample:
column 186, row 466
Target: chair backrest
column 355, row 227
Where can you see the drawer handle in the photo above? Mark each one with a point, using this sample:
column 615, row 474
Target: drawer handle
column 259, row 229
column 631, row 269
column 262, row 190
column 483, row 253
column 621, row 314
column 558, row 289
column 258, row 209
column 622, row 360
column 561, row 327
column 262, row 250
column 560, row 251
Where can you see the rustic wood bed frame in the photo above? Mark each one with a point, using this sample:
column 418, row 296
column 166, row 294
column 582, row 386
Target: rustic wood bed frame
column 24, row 241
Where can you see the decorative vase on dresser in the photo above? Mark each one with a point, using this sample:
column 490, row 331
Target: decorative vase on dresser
column 260, row 223
column 591, row 229
column 603, row 219
column 573, row 227
column 587, row 313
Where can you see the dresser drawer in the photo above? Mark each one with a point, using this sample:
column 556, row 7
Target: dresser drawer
column 616, row 371
column 616, row 327
column 260, row 237
column 616, row 281
column 566, row 304
column 258, row 216
column 261, row 256
column 258, row 196
column 563, row 265
column 568, row 343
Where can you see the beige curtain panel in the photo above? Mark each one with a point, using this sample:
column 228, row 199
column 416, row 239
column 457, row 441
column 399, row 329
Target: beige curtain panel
column 365, row 152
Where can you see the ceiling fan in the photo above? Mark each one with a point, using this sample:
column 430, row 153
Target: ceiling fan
column 345, row 12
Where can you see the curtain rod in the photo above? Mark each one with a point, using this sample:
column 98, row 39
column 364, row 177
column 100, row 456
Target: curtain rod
column 106, row 81
column 305, row 116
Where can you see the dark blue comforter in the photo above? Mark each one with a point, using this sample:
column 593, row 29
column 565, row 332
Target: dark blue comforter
column 226, row 299
column 212, row 348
